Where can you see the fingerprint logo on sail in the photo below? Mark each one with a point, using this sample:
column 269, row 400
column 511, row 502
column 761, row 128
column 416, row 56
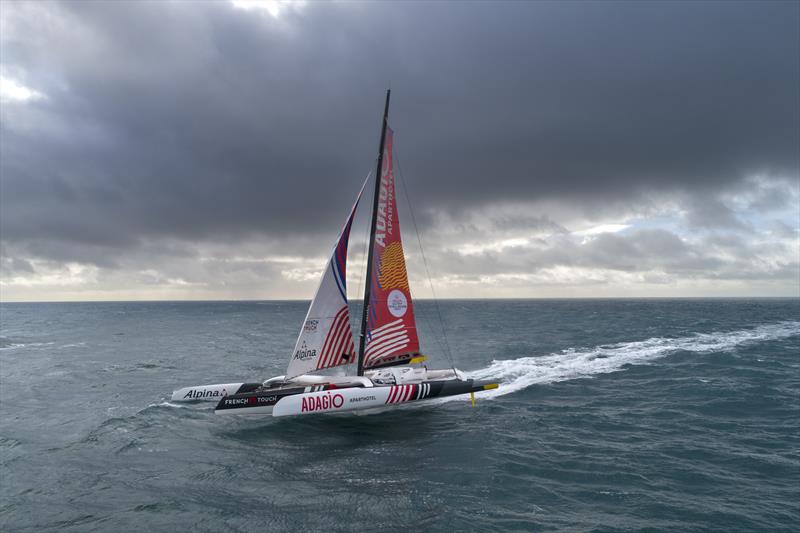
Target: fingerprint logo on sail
column 392, row 270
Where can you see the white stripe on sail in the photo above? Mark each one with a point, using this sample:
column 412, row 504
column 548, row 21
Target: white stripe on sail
column 377, row 331
column 386, row 333
column 388, row 346
column 388, row 349
column 393, row 333
column 386, row 340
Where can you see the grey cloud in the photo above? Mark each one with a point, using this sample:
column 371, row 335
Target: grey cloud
column 530, row 222
column 782, row 230
column 12, row 266
column 176, row 135
column 199, row 121
column 712, row 214
column 655, row 253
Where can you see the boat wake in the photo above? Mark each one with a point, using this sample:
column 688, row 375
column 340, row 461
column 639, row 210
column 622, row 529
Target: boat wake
column 517, row 374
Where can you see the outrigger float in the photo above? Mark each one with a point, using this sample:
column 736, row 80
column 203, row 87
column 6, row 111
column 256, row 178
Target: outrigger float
column 390, row 368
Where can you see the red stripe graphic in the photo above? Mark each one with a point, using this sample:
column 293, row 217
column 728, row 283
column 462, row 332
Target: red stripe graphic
column 343, row 332
column 338, row 341
column 348, row 348
column 321, row 360
column 337, row 332
column 346, row 344
column 403, row 393
column 391, row 394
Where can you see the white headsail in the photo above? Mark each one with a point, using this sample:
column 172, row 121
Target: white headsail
column 326, row 338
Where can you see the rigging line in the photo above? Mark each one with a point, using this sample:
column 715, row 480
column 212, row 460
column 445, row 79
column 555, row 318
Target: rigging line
column 426, row 323
column 361, row 272
column 447, row 352
column 428, row 326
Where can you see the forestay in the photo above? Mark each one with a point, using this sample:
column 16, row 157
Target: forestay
column 391, row 327
column 326, row 338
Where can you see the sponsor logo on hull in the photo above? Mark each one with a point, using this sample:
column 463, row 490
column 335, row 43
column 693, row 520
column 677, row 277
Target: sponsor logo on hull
column 348, row 399
column 358, row 399
column 206, row 392
column 237, row 401
column 250, row 401
column 200, row 393
column 321, row 403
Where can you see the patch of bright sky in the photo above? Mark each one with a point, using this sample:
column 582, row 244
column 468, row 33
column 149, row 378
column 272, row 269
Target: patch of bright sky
column 13, row 91
column 478, row 248
column 68, row 275
column 276, row 8
column 751, row 204
column 671, row 223
column 602, row 228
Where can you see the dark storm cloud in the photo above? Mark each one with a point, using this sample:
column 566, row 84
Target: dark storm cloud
column 195, row 120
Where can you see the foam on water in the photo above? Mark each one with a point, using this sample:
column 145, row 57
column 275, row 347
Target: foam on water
column 518, row 374
column 6, row 344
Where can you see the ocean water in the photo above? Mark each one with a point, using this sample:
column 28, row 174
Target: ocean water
column 612, row 415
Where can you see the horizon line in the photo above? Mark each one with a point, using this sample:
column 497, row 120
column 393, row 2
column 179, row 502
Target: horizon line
column 543, row 298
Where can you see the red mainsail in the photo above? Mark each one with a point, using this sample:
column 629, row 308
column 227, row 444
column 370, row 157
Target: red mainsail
column 391, row 327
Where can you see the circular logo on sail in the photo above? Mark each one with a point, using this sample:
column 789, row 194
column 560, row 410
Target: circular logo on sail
column 397, row 303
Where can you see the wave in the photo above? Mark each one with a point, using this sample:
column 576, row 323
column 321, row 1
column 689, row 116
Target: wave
column 8, row 344
column 166, row 403
column 517, row 374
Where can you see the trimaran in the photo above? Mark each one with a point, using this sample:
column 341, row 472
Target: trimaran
column 390, row 369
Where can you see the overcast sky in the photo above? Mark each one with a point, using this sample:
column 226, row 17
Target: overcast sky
column 211, row 150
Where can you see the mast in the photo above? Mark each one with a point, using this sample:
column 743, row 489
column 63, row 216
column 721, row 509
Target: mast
column 368, row 284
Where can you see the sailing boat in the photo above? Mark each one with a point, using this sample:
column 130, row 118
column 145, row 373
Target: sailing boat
column 390, row 369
